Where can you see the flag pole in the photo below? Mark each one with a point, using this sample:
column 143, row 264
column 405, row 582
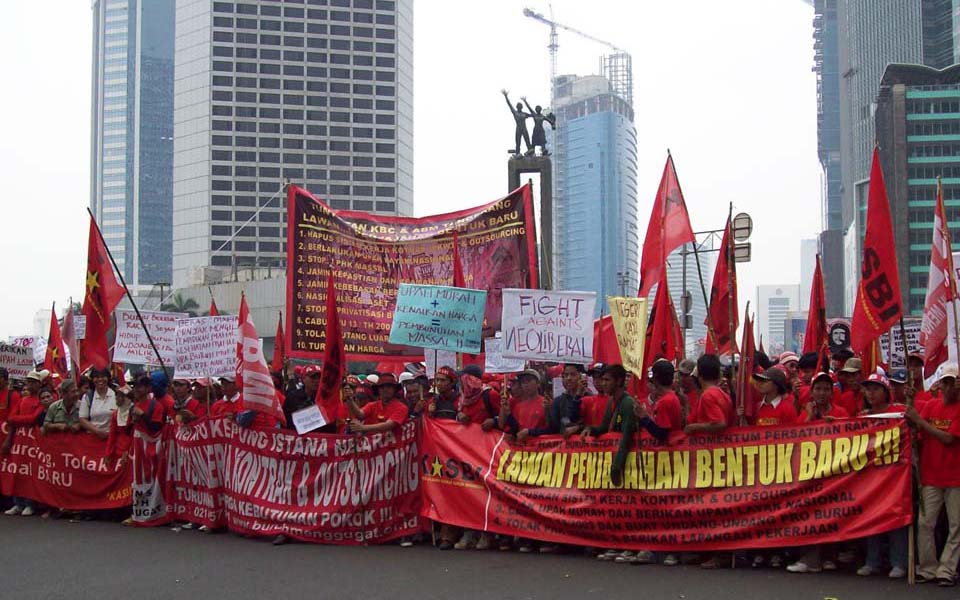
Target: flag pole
column 127, row 290
column 696, row 258
column 953, row 273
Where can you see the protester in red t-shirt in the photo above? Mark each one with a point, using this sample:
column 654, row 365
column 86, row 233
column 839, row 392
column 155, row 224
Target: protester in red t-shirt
column 876, row 390
column 915, row 365
column 386, row 414
column 190, row 405
column 149, row 412
column 776, row 408
column 714, row 412
column 689, row 393
column 851, row 393
column 938, row 423
column 9, row 398
column 715, row 409
column 660, row 414
column 478, row 403
column 228, row 405
column 820, row 408
column 526, row 410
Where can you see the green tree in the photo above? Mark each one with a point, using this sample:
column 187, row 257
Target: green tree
column 177, row 303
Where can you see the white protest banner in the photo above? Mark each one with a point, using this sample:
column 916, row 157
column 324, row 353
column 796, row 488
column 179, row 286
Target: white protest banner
column 495, row 362
column 547, row 325
column 630, row 324
column 438, row 317
column 80, row 325
column 307, row 419
column 16, row 359
column 435, row 359
column 132, row 345
column 891, row 343
column 39, row 349
column 206, row 347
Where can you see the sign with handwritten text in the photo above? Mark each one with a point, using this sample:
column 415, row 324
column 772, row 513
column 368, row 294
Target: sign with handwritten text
column 547, row 325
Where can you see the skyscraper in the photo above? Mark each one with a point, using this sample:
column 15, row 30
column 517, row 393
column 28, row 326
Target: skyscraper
column 318, row 93
column 862, row 37
column 131, row 146
column 773, row 304
column 826, row 66
column 918, row 131
column 596, row 183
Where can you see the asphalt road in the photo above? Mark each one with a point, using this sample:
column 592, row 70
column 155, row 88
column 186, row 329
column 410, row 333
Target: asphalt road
column 103, row 561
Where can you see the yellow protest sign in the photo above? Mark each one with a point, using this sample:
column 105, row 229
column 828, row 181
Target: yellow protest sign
column 630, row 324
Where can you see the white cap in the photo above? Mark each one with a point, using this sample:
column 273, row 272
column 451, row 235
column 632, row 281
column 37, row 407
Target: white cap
column 373, row 379
column 405, row 377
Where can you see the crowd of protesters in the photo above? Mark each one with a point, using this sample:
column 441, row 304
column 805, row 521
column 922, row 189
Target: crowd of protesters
column 694, row 397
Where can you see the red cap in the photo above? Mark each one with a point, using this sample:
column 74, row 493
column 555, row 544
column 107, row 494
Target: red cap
column 448, row 373
column 312, row 370
column 878, row 379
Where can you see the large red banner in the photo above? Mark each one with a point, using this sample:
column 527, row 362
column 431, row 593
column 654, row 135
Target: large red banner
column 332, row 489
column 63, row 470
column 371, row 255
column 750, row 488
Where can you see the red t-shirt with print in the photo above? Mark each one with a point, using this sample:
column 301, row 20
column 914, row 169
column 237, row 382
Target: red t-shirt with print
column 939, row 463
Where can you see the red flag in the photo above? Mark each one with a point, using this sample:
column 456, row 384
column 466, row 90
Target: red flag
column 605, row 347
column 815, row 337
column 254, row 378
column 214, row 312
column 102, row 296
column 878, row 305
column 722, row 317
column 55, row 359
column 746, row 396
column 458, row 279
column 664, row 338
column 334, row 360
column 69, row 335
column 941, row 291
column 244, row 314
column 276, row 365
column 669, row 227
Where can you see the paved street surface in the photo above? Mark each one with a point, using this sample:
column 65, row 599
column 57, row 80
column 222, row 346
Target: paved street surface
column 103, row 561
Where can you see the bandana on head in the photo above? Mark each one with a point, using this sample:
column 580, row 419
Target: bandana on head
column 472, row 390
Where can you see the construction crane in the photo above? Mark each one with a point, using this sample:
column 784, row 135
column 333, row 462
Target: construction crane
column 553, row 45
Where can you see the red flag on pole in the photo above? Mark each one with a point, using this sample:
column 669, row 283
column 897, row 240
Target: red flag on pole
column 214, row 311
column 242, row 316
column 722, row 316
column 55, row 359
column 276, row 365
column 458, row 279
column 940, row 292
column 669, row 227
column 334, row 360
column 102, row 296
column 815, row 336
column 254, row 378
column 878, row 305
column 746, row 396
column 664, row 338
column 69, row 335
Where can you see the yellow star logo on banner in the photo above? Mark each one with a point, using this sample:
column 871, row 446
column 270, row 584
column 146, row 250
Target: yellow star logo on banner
column 92, row 281
column 55, row 353
column 436, row 466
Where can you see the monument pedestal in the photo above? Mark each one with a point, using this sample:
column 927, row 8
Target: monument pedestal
column 517, row 167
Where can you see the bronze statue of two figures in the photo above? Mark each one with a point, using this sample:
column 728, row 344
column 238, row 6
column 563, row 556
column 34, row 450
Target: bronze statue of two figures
column 539, row 135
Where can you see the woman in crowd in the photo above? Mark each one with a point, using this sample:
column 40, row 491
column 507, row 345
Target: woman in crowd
column 98, row 405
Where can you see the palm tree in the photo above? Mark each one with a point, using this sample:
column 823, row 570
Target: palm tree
column 177, row 303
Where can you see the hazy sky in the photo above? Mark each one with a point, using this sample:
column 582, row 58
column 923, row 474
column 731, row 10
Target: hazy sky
column 727, row 86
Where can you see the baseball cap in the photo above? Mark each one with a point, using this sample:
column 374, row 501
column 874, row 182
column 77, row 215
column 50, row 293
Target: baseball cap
column 822, row 376
column 776, row 375
column 898, row 376
column 788, row 357
column 687, row 366
column 853, row 365
column 878, row 379
column 949, row 370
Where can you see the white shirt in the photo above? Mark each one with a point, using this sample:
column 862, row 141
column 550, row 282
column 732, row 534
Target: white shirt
column 99, row 409
column 775, row 402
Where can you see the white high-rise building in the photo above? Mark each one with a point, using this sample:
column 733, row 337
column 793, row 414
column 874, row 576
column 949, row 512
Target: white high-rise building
column 697, row 334
column 318, row 93
column 773, row 304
